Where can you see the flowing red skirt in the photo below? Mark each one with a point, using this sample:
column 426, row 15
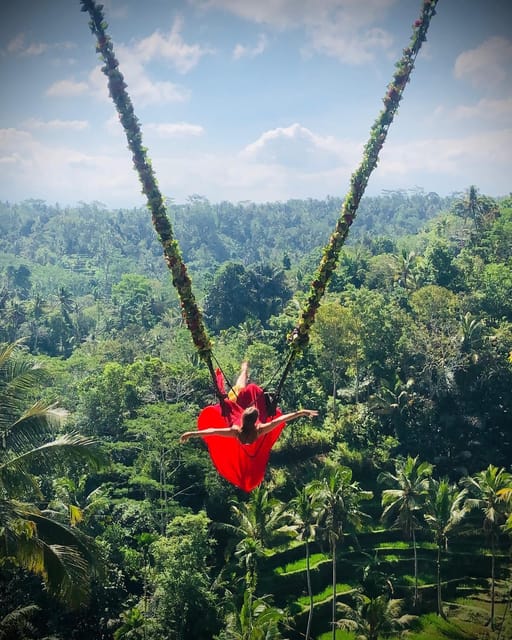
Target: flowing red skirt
column 242, row 464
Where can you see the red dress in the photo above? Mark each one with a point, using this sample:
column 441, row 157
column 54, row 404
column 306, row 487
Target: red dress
column 242, row 464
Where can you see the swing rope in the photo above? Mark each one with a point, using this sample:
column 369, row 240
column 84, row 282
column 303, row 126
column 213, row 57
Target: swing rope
column 155, row 201
column 299, row 337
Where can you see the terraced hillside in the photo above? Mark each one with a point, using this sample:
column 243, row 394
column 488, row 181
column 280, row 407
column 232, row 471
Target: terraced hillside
column 465, row 570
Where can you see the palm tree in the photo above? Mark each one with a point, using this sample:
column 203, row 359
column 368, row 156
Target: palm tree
column 256, row 620
column 305, row 513
column 372, row 617
column 394, row 400
column 371, row 614
column 38, row 541
column 405, row 264
column 444, row 510
column 480, row 209
column 506, row 495
column 82, row 507
column 263, row 517
column 404, row 503
column 339, row 512
column 471, row 330
column 488, row 489
column 258, row 522
column 36, row 311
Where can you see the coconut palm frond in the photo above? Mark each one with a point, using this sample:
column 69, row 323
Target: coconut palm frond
column 67, row 573
column 53, row 532
column 36, row 540
column 67, row 448
column 65, row 566
column 7, row 351
column 17, row 624
column 34, row 426
column 19, row 376
column 19, row 484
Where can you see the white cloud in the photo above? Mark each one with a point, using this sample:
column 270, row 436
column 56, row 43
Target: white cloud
column 72, row 125
column 288, row 162
column 293, row 13
column 493, row 110
column 174, row 129
column 35, row 49
column 67, row 88
column 61, row 174
column 298, row 147
column 473, row 158
column 113, row 126
column 241, row 51
column 343, row 29
column 231, row 177
column 352, row 47
column 488, row 65
column 171, row 47
column 159, row 131
column 18, row 46
column 141, row 88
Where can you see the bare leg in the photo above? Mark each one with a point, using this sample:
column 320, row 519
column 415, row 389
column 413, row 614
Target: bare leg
column 241, row 382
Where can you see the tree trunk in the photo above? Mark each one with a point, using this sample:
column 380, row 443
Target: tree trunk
column 415, row 551
column 357, row 375
column 310, row 592
column 333, row 548
column 493, row 586
column 439, row 595
column 334, row 393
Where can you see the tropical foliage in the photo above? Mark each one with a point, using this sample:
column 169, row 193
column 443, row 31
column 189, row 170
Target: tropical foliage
column 33, row 536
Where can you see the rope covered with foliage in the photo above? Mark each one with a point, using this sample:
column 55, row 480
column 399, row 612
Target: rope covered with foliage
column 117, row 88
column 299, row 338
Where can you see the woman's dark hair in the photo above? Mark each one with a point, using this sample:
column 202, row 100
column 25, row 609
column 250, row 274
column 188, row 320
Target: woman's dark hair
column 249, row 418
column 248, row 431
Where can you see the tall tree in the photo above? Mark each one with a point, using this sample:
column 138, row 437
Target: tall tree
column 337, row 343
column 258, row 522
column 479, row 209
column 185, row 603
column 487, row 489
column 340, row 513
column 305, row 508
column 444, row 510
column 404, row 502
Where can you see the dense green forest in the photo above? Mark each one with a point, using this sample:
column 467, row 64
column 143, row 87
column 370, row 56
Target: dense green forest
column 388, row 514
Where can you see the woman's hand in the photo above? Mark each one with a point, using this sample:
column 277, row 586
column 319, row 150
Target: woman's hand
column 309, row 413
column 186, row 436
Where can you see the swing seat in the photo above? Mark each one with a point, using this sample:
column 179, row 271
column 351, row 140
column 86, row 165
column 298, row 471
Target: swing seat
column 243, row 465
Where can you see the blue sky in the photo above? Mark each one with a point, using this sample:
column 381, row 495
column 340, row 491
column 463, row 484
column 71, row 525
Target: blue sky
column 258, row 100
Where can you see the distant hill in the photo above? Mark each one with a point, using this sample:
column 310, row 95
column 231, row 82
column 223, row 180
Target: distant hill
column 89, row 237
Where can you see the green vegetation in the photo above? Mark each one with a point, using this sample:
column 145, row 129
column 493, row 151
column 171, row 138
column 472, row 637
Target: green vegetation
column 326, row 594
column 409, row 365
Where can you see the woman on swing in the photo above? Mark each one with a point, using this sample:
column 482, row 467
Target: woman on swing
column 250, row 427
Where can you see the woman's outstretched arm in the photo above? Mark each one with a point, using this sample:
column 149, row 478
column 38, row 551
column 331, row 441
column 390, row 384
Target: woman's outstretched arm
column 230, row 432
column 266, row 427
